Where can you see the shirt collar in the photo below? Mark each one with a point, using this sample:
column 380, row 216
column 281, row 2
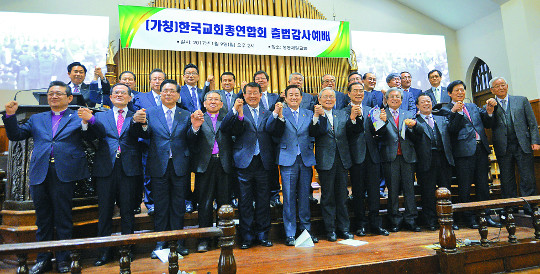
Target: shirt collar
column 189, row 87
column 165, row 109
column 59, row 113
column 328, row 112
column 257, row 108
column 393, row 110
column 505, row 98
column 425, row 116
column 353, row 104
column 154, row 94
column 115, row 109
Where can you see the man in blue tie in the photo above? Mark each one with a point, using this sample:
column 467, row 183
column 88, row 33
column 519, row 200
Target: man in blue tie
column 253, row 156
column 296, row 131
column 228, row 96
column 406, row 82
column 58, row 161
column 171, row 131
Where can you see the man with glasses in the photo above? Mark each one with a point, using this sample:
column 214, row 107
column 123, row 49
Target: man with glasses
column 191, row 95
column 58, row 161
column 171, row 131
column 437, row 92
column 117, row 166
column 342, row 100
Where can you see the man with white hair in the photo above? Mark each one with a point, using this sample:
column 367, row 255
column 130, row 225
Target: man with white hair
column 515, row 136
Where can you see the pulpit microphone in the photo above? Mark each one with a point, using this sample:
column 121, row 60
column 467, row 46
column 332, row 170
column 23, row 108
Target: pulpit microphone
column 17, row 93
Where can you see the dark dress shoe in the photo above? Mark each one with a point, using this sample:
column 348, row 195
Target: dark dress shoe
column 182, row 250
column 202, row 247
column 63, row 267
column 265, row 243
column 413, row 227
column 159, row 246
column 245, row 245
column 104, row 258
column 137, row 210
column 394, row 228
column 189, row 207
column 289, row 241
column 151, row 211
column 360, row 232
column 455, row 227
column 278, row 202
column 492, row 223
column 345, row 235
column 331, row 236
column 380, row 231
column 234, row 203
column 41, row 267
column 313, row 200
column 314, row 239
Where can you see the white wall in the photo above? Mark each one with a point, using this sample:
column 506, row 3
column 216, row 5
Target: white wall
column 392, row 16
column 484, row 39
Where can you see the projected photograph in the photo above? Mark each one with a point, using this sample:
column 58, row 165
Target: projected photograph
column 384, row 53
column 36, row 48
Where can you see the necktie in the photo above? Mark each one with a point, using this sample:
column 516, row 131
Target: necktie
column 228, row 95
column 158, row 100
column 120, row 123
column 194, row 98
column 430, row 121
column 264, row 100
column 256, row 118
column 169, row 119
column 437, row 94
column 467, row 113
column 76, row 89
column 503, row 104
column 295, row 117
column 395, row 114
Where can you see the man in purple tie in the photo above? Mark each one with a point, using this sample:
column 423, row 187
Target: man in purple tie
column 77, row 73
column 58, row 161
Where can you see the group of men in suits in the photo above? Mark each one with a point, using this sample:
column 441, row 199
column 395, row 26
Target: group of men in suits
column 235, row 142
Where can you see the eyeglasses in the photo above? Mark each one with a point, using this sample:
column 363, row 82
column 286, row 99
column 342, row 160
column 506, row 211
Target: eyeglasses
column 168, row 91
column 56, row 94
column 328, row 97
column 213, row 99
column 191, row 74
column 260, row 79
column 329, row 81
column 119, row 92
column 157, row 79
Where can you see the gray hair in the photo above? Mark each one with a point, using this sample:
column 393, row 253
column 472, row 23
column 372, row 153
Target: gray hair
column 326, row 88
column 394, row 89
column 495, row 79
column 322, row 78
column 295, row 73
column 212, row 92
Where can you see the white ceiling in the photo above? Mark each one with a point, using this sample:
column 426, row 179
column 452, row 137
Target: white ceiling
column 454, row 14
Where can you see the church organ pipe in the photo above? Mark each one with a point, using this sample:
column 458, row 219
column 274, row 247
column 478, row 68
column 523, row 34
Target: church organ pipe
column 142, row 61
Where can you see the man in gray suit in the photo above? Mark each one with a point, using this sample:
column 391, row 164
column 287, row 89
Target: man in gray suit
column 398, row 157
column 515, row 136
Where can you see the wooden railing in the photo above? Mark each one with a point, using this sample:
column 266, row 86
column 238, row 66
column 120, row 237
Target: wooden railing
column 225, row 231
column 445, row 210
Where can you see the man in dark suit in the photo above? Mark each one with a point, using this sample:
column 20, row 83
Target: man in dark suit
column 308, row 101
column 470, row 146
column 77, row 73
column 295, row 130
column 408, row 103
column 365, row 169
column 437, row 92
column 342, row 100
column 212, row 159
column 117, row 166
column 126, row 77
column 355, row 77
column 268, row 101
column 191, row 95
column 515, row 137
column 398, row 157
column 171, row 131
column 377, row 97
column 149, row 100
column 58, row 161
column 434, row 153
column 333, row 159
column 253, row 155
column 406, row 80
column 228, row 96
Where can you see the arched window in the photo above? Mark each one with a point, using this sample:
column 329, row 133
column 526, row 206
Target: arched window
column 480, row 77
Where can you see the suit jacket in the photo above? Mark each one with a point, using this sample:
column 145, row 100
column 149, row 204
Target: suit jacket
column 342, row 100
column 405, row 105
column 226, row 107
column 104, row 129
column 144, row 100
column 416, row 92
column 374, row 99
column 462, row 130
column 329, row 140
column 67, row 145
column 186, row 102
column 444, row 95
column 178, row 141
column 91, row 94
column 246, row 131
column 524, row 123
column 363, row 142
column 423, row 141
column 205, row 143
column 273, row 98
column 308, row 101
column 292, row 136
column 389, row 136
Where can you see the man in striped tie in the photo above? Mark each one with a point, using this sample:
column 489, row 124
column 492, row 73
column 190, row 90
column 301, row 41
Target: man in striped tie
column 77, row 74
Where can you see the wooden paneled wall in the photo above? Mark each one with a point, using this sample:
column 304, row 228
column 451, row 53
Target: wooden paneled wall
column 142, row 61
